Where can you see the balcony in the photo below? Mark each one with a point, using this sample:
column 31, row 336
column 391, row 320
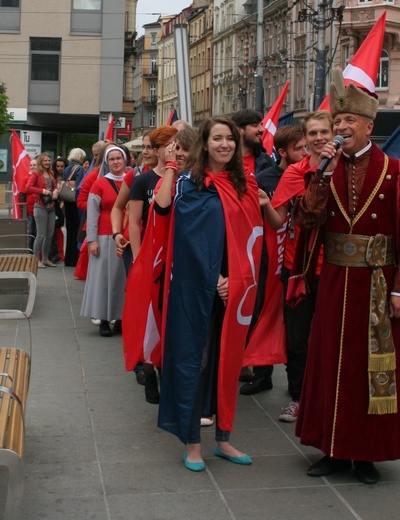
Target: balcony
column 129, row 49
column 148, row 100
column 150, row 72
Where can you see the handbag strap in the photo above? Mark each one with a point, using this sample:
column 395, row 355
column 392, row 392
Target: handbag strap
column 115, row 187
column 72, row 172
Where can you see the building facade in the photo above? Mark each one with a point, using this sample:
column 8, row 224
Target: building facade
column 145, row 77
column 201, row 61
column 63, row 67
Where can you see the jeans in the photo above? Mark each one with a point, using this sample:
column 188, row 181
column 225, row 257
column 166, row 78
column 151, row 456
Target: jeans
column 45, row 223
column 31, row 231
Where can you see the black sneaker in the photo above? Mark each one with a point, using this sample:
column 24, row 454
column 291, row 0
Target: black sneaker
column 258, row 383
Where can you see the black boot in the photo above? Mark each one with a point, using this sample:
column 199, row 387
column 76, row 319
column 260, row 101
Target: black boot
column 151, row 388
column 117, row 329
column 105, row 329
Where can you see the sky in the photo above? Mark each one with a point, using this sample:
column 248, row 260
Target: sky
column 145, row 8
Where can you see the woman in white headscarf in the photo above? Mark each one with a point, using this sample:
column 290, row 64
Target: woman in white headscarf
column 104, row 289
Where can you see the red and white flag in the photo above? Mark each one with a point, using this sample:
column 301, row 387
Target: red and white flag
column 270, row 121
column 20, row 165
column 363, row 68
column 110, row 130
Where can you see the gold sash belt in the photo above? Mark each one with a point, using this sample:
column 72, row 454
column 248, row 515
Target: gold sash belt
column 374, row 252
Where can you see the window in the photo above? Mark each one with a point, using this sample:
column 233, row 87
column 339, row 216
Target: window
column 382, row 83
column 153, row 93
column 45, row 59
column 152, row 119
column 346, row 55
column 86, row 16
column 154, row 64
column 153, row 36
column 44, row 84
column 10, row 16
column 87, row 5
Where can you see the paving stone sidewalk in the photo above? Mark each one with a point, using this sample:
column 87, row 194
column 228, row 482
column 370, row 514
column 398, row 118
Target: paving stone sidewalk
column 93, row 449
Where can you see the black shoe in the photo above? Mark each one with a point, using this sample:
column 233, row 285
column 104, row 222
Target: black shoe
column 104, row 329
column 140, row 376
column 327, row 466
column 258, row 383
column 366, row 472
column 151, row 388
column 117, row 329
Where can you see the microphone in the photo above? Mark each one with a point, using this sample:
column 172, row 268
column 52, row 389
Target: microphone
column 323, row 165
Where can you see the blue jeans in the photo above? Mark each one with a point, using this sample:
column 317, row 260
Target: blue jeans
column 45, row 223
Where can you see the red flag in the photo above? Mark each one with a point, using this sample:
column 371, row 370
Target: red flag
column 267, row 343
column 363, row 68
column 270, row 121
column 173, row 116
column 110, row 130
column 141, row 317
column 20, row 164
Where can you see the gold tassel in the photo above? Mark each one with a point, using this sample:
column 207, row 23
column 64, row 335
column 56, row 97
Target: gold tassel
column 382, row 362
column 382, row 405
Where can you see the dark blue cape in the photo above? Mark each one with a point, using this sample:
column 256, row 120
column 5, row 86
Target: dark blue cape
column 199, row 235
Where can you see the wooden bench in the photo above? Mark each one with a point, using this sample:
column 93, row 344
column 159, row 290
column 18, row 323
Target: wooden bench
column 20, row 267
column 16, row 261
column 15, row 369
column 14, row 383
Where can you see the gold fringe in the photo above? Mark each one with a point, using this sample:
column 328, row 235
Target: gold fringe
column 382, row 362
column 382, row 405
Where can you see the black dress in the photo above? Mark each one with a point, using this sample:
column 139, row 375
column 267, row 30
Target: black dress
column 71, row 219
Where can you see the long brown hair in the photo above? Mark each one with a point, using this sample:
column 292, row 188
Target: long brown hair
column 198, row 159
column 39, row 164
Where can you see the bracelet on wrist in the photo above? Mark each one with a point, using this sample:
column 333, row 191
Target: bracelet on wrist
column 171, row 165
column 393, row 293
column 115, row 234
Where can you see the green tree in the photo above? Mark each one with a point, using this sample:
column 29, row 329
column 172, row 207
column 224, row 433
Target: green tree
column 5, row 117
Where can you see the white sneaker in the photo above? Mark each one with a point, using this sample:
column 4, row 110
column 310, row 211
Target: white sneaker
column 207, row 421
column 290, row 412
column 95, row 322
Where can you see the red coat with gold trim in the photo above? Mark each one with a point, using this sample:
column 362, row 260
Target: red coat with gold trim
column 334, row 402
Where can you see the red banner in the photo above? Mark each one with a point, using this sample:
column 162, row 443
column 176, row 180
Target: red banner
column 20, row 165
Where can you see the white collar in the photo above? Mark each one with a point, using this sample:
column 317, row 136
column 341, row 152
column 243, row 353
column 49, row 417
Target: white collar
column 358, row 154
column 113, row 177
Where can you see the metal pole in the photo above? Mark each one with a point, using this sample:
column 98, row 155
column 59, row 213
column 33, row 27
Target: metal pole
column 320, row 66
column 259, row 71
column 181, row 41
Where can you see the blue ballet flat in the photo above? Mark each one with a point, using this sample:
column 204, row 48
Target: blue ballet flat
column 245, row 460
column 193, row 466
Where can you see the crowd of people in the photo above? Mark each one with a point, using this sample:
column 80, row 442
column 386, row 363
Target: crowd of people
column 188, row 249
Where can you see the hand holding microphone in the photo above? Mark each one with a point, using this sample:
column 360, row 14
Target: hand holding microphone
column 338, row 141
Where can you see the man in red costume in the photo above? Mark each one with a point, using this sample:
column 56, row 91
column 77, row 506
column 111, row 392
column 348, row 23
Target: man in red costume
column 349, row 402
